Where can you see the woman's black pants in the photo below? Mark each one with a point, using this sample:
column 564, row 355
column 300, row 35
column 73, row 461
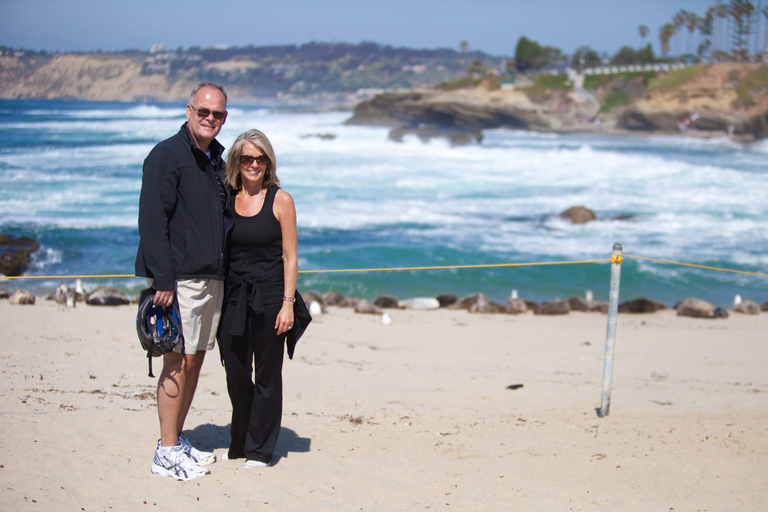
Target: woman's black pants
column 254, row 367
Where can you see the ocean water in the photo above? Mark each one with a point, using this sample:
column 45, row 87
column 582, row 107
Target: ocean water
column 70, row 177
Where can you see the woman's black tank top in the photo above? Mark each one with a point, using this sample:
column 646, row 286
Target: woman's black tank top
column 256, row 245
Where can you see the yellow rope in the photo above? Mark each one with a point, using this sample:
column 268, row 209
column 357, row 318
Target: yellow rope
column 614, row 259
column 452, row 266
column 347, row 269
column 697, row 266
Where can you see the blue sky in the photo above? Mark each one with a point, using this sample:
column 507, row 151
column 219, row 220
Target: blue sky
column 493, row 26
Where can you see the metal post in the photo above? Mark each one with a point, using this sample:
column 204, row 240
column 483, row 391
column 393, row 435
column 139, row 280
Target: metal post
column 610, row 336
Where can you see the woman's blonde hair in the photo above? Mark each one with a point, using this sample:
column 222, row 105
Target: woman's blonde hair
column 258, row 139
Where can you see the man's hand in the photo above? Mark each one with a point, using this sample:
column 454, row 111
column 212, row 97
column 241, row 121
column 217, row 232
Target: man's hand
column 164, row 299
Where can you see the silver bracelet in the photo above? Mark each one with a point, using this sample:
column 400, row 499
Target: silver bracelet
column 289, row 299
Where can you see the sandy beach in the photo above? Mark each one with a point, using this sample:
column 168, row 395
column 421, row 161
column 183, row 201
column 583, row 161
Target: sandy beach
column 416, row 415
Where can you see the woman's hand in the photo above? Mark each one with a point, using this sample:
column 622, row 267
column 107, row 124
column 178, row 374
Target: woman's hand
column 284, row 321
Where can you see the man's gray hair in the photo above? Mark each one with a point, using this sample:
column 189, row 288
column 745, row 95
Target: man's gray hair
column 207, row 84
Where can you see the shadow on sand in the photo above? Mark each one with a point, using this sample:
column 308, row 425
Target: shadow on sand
column 213, row 437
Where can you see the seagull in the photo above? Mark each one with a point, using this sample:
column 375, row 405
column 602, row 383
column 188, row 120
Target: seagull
column 79, row 291
column 60, row 295
column 315, row 309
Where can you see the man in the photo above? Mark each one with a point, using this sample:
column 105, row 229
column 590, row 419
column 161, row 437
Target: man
column 182, row 208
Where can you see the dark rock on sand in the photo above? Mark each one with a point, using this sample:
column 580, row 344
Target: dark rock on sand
column 697, row 308
column 746, row 306
column 555, row 307
column 579, row 214
column 106, row 296
column 386, row 301
column 446, row 299
column 348, row 302
column 578, row 304
column 332, row 298
column 764, row 306
column 532, row 306
column 22, row 297
column 465, row 302
column 14, row 254
column 515, row 306
column 485, row 305
column 365, row 306
column 641, row 306
column 310, row 297
column 591, row 306
column 5, row 293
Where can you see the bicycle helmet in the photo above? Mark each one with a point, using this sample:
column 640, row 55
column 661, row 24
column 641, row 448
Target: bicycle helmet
column 158, row 327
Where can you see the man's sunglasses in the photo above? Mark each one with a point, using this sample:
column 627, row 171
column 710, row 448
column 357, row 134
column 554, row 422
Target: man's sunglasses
column 205, row 112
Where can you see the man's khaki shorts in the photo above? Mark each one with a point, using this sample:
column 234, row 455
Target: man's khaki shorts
column 200, row 303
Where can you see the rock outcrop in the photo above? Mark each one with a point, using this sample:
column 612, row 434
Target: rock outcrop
column 579, row 214
column 705, row 100
column 709, row 102
column 428, row 110
column 14, row 254
column 555, row 307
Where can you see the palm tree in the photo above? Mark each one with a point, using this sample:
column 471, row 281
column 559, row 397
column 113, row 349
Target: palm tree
column 643, row 29
column 665, row 34
column 721, row 11
column 464, row 47
column 708, row 31
column 692, row 22
column 678, row 20
column 741, row 11
column 765, row 34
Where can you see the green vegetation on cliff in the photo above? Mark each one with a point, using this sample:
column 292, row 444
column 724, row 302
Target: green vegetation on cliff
column 752, row 87
column 675, row 79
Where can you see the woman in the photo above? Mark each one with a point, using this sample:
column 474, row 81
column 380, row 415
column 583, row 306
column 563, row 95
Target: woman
column 261, row 295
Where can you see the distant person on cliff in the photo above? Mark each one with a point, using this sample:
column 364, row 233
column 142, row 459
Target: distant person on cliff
column 263, row 311
column 182, row 212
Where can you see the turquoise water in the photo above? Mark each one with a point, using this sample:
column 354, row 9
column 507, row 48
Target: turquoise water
column 70, row 178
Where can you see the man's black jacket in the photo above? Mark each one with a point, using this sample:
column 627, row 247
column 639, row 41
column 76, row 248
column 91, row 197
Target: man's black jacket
column 181, row 220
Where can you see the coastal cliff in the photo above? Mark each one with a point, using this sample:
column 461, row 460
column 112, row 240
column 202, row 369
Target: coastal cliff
column 95, row 77
column 705, row 100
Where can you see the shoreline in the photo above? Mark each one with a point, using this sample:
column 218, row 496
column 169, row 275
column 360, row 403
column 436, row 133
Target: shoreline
column 412, row 416
column 302, row 106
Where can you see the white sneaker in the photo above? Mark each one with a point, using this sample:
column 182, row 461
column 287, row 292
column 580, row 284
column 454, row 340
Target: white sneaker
column 200, row 457
column 255, row 464
column 175, row 462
